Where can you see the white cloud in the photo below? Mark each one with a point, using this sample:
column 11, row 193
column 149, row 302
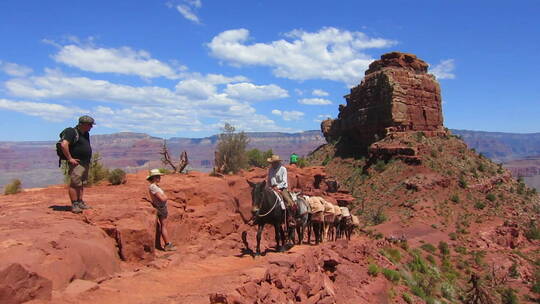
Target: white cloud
column 444, row 70
column 58, row 86
column 122, row 60
column 288, row 115
column 299, row 92
column 187, row 13
column 252, row 92
column 314, row 101
column 157, row 110
column 157, row 120
column 253, row 123
column 195, row 88
column 330, row 53
column 195, row 3
column 187, row 9
column 13, row 69
column 318, row 92
column 47, row 111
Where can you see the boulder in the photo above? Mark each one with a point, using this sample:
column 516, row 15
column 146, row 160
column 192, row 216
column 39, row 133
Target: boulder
column 18, row 285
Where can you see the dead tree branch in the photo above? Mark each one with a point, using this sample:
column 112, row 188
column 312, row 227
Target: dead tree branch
column 167, row 161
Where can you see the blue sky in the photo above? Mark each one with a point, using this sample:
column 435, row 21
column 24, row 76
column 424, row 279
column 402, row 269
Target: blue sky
column 184, row 68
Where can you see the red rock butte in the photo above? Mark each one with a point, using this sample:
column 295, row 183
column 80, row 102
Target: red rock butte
column 396, row 95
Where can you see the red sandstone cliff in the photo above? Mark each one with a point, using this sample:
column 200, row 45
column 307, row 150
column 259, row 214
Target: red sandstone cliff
column 397, row 94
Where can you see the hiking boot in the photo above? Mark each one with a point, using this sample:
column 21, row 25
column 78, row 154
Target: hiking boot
column 169, row 247
column 83, row 205
column 75, row 207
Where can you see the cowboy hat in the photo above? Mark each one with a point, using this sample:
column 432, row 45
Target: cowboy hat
column 274, row 158
column 154, row 172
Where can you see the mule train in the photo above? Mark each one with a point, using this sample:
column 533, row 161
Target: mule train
column 327, row 221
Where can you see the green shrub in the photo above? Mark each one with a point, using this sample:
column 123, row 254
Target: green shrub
column 508, row 296
column 302, row 162
column 478, row 257
column 521, row 187
column 430, row 259
column 97, row 171
column 164, row 171
column 407, row 298
column 533, row 231
column 443, row 248
column 461, row 250
column 418, row 291
column 13, row 187
column 326, row 160
column 380, row 165
column 479, row 205
column 391, row 275
column 117, row 177
column 536, row 281
column 419, row 136
column 257, row 158
column 378, row 217
column 513, row 271
column 373, row 270
column 481, row 167
column 453, row 236
column 392, row 254
column 490, row 197
column 455, row 198
column 448, row 291
column 231, row 150
column 462, row 182
column 428, row 247
column 417, row 263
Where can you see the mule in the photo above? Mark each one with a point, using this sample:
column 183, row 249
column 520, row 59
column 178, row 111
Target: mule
column 301, row 216
column 316, row 224
column 315, row 219
column 266, row 209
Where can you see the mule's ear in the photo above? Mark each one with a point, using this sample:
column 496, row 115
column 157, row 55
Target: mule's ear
column 251, row 184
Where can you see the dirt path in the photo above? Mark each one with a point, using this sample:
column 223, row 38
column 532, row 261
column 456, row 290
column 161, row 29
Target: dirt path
column 170, row 280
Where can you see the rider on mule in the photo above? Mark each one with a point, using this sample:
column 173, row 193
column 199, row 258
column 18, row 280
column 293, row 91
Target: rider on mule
column 277, row 180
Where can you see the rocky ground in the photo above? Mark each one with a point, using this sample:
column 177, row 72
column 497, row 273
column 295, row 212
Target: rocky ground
column 463, row 213
column 108, row 253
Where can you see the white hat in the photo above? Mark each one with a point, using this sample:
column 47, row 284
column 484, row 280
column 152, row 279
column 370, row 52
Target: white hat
column 274, row 158
column 154, row 172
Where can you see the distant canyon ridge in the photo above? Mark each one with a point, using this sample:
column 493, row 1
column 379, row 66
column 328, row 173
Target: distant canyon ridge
column 35, row 162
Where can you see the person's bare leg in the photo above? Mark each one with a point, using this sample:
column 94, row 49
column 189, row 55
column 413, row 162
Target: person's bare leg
column 164, row 232
column 80, row 194
column 73, row 194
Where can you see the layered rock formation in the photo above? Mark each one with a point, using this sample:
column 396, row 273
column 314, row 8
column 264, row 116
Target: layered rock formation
column 396, row 95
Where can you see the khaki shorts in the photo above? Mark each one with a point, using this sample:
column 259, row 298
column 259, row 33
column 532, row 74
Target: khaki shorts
column 78, row 175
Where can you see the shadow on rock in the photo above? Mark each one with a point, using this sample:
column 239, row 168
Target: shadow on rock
column 65, row 208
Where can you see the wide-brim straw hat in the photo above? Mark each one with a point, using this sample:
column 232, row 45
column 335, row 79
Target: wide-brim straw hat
column 154, row 172
column 273, row 159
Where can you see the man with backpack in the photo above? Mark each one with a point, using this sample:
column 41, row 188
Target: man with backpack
column 75, row 146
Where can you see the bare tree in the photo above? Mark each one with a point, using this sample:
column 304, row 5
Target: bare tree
column 478, row 294
column 167, row 161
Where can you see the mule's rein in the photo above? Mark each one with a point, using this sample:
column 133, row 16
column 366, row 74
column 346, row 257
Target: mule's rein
column 271, row 209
